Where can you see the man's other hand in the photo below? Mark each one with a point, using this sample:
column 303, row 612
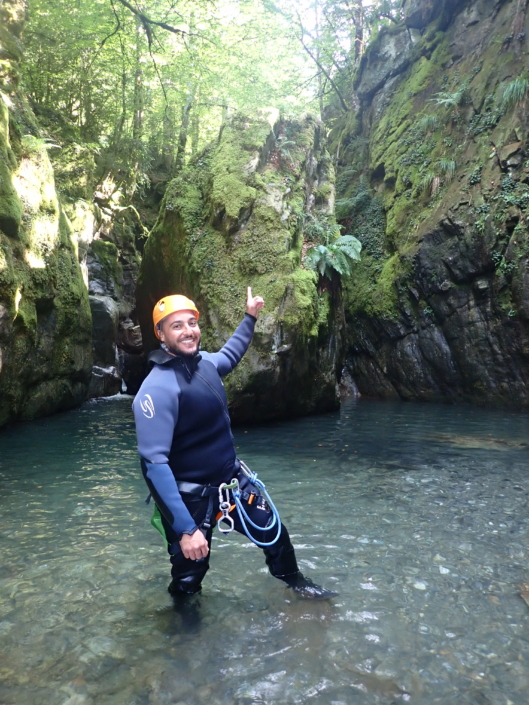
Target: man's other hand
column 195, row 546
column 253, row 303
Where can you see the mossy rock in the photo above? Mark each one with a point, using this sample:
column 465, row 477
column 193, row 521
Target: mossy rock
column 228, row 222
column 433, row 178
column 45, row 321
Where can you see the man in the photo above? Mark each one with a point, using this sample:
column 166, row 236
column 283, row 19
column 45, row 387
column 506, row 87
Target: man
column 187, row 450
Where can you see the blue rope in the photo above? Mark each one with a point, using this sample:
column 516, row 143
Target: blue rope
column 245, row 518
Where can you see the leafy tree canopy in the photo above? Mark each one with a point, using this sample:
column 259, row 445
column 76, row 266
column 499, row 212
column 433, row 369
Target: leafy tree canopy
column 150, row 81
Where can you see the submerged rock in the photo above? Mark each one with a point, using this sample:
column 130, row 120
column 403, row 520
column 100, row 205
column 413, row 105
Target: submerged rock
column 235, row 218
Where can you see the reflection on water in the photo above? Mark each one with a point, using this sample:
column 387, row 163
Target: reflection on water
column 416, row 513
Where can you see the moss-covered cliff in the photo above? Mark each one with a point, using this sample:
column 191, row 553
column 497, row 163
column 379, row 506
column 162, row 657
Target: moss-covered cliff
column 45, row 322
column 234, row 218
column 433, row 178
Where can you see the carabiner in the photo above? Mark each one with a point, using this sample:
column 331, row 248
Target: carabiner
column 228, row 519
column 225, row 506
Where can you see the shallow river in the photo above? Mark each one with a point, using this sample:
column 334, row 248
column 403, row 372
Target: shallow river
column 416, row 513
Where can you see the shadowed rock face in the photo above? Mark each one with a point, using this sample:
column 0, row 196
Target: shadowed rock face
column 234, row 218
column 433, row 179
column 45, row 323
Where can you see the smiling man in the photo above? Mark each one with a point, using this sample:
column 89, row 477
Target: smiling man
column 187, row 450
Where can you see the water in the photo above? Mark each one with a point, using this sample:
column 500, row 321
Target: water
column 416, row 513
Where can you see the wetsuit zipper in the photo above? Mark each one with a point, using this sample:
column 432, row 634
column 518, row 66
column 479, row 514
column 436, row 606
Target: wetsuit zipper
column 224, row 410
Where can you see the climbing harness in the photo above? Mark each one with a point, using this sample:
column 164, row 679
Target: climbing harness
column 225, row 522
column 226, row 507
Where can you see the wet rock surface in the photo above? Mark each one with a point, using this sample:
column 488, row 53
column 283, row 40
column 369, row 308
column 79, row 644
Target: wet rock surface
column 437, row 310
column 413, row 512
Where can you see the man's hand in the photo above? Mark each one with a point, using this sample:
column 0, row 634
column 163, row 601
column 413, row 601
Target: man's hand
column 195, row 546
column 253, row 303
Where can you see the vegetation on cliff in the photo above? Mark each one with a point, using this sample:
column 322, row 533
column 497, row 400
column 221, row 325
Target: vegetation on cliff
column 45, row 320
column 235, row 218
column 432, row 180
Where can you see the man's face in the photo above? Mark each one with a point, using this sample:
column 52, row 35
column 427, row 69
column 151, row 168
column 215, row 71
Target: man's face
column 180, row 332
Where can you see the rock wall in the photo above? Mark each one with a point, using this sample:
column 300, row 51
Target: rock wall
column 235, row 218
column 433, row 178
column 45, row 322
column 108, row 233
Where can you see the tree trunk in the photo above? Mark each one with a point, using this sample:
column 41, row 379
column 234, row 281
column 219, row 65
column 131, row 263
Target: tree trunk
column 184, row 129
column 137, row 120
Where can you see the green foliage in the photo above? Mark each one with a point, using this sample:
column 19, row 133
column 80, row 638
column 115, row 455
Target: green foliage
column 284, row 147
column 513, row 193
column 501, row 264
column 364, row 218
column 426, row 184
column 319, row 229
column 475, row 175
column 431, row 179
column 514, row 92
column 452, row 100
column 32, row 145
column 428, row 123
column 138, row 90
column 447, row 167
column 335, row 256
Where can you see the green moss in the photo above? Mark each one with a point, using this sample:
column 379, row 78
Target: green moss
column 108, row 255
column 200, row 247
column 301, row 307
column 241, row 142
column 372, row 288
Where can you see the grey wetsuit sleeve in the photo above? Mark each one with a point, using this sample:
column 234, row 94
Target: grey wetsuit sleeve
column 156, row 413
column 231, row 354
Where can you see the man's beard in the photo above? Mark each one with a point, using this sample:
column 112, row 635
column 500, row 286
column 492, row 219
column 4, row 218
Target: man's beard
column 188, row 355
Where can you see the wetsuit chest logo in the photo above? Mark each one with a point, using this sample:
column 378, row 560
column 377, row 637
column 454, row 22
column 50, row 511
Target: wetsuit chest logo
column 147, row 406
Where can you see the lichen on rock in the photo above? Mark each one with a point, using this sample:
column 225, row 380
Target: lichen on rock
column 233, row 218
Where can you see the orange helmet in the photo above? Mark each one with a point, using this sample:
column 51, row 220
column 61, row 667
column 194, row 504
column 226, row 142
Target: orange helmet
column 171, row 304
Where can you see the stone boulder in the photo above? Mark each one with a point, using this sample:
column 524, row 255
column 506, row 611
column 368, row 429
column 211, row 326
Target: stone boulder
column 237, row 217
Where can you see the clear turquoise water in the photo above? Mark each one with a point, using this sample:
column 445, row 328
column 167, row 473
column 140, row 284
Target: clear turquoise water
column 416, row 513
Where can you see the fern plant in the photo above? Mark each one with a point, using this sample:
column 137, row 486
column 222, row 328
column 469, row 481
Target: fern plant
column 452, row 100
column 283, row 147
column 319, row 230
column 335, row 256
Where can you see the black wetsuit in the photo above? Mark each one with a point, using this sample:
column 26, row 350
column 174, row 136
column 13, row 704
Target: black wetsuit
column 184, row 436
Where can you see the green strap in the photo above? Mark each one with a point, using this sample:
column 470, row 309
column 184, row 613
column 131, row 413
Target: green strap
column 156, row 521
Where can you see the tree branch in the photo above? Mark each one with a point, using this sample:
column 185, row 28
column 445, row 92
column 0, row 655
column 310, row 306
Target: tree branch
column 322, row 68
column 147, row 22
column 117, row 28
